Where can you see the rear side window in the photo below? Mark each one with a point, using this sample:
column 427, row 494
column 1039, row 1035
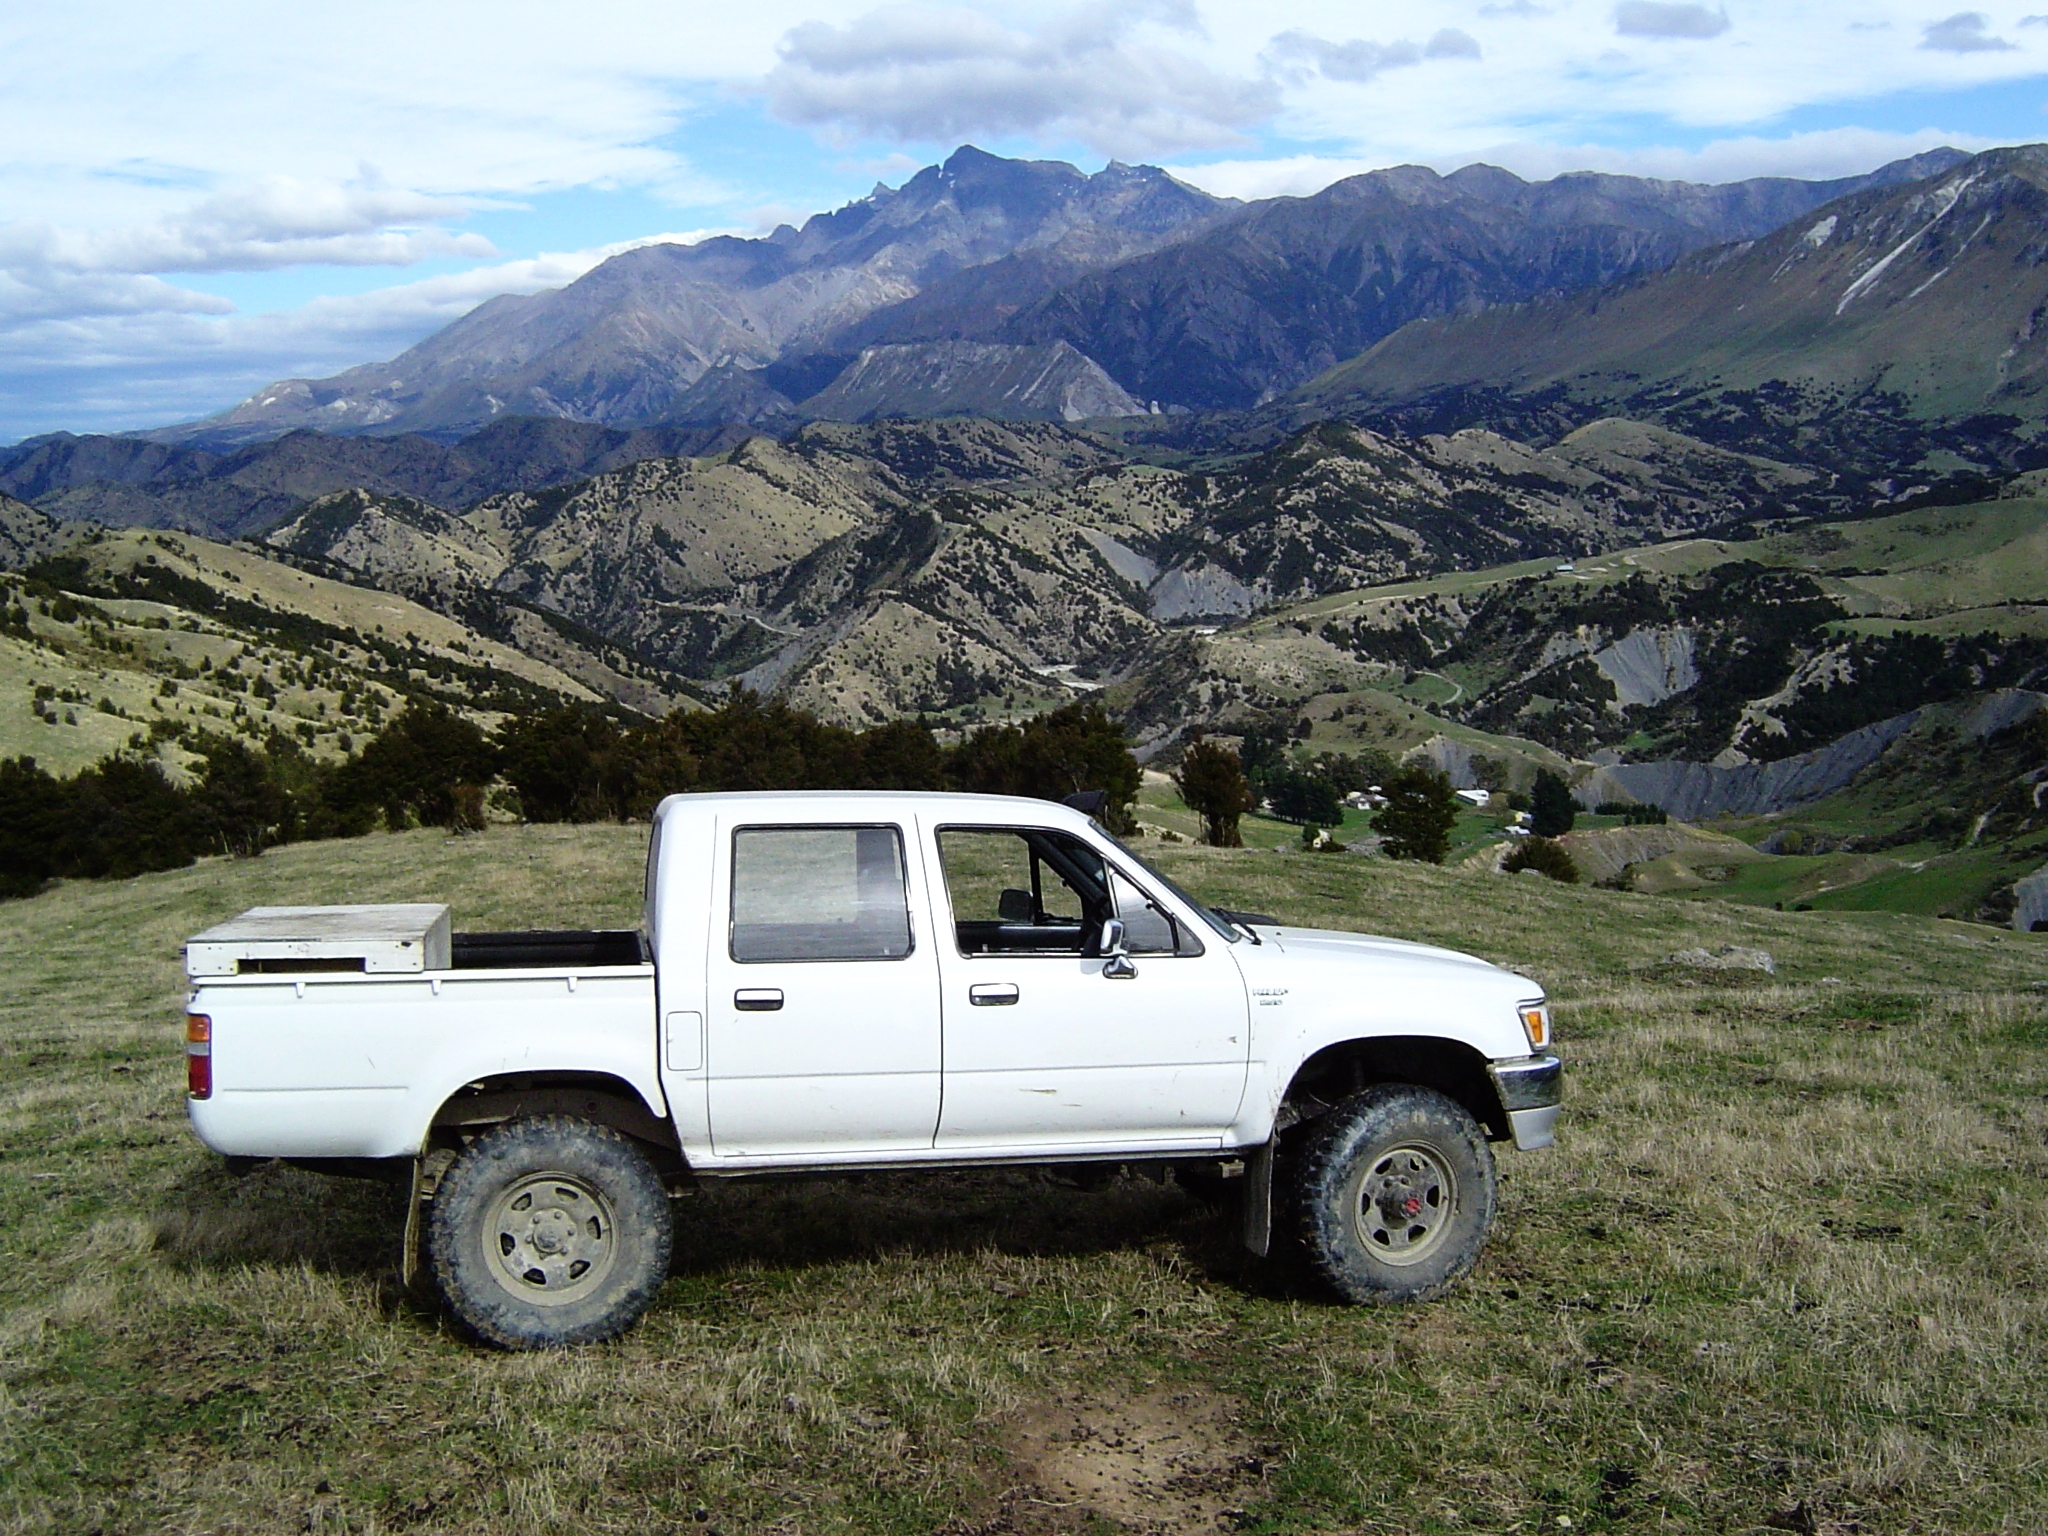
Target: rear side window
column 819, row 893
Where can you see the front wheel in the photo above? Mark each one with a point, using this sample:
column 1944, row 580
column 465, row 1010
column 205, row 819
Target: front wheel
column 549, row 1231
column 1395, row 1193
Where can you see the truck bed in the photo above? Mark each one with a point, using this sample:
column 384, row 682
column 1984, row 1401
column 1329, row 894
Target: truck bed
column 538, row 949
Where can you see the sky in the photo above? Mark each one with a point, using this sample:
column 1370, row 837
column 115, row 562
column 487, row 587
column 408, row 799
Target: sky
column 197, row 200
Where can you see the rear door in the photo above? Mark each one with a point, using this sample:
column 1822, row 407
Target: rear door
column 1043, row 1049
column 822, row 1013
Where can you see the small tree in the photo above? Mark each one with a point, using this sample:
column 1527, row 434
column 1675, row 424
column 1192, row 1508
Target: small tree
column 410, row 770
column 1212, row 782
column 1544, row 856
column 1417, row 819
column 1551, row 807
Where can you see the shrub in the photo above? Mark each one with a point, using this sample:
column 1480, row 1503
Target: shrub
column 1543, row 856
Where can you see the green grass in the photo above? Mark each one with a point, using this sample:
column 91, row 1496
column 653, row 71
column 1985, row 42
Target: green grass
column 1785, row 1269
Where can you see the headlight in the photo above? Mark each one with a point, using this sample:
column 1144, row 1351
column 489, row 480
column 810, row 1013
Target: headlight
column 1536, row 1023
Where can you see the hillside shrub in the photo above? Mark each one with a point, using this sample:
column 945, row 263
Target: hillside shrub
column 1632, row 814
column 432, row 767
column 1071, row 750
column 1543, row 856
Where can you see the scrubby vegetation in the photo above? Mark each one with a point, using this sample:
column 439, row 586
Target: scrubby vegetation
column 431, row 766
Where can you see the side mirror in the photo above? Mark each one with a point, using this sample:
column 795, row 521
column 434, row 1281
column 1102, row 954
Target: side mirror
column 1117, row 966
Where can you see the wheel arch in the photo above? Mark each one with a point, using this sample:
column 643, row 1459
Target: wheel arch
column 1451, row 1067
column 602, row 1098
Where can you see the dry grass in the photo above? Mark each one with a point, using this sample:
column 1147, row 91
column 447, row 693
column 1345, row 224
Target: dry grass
column 1785, row 1271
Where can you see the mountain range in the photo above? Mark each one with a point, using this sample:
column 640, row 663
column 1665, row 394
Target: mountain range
column 1837, row 338
column 1180, row 299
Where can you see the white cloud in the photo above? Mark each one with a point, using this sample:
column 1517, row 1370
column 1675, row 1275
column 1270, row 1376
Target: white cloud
column 1358, row 60
column 1663, row 18
column 1965, row 32
column 50, row 272
column 1100, row 73
column 182, row 355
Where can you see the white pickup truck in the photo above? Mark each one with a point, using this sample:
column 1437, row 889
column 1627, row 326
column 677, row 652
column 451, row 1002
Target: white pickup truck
column 836, row 981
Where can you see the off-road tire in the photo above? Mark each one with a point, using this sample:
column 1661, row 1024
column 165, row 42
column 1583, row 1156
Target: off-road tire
column 549, row 1231
column 1394, row 1192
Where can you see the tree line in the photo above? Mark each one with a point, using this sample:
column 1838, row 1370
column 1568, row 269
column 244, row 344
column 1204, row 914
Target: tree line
column 1418, row 806
column 127, row 815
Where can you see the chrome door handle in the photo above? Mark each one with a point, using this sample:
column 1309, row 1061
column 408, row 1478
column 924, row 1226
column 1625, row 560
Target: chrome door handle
column 757, row 999
column 992, row 994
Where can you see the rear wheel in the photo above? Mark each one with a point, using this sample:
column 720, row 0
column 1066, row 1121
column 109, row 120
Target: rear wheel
column 1395, row 1191
column 549, row 1231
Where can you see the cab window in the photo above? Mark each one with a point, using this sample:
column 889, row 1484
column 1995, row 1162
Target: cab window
column 1029, row 891
column 819, row 893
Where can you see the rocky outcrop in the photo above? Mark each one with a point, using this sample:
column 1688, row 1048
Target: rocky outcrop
column 1701, row 791
column 2030, row 902
column 968, row 378
column 1201, row 591
column 1648, row 666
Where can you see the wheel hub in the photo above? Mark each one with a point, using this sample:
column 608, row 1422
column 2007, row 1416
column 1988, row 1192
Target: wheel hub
column 549, row 1238
column 1405, row 1204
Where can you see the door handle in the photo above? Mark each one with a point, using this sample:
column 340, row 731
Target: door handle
column 757, row 999
column 992, row 994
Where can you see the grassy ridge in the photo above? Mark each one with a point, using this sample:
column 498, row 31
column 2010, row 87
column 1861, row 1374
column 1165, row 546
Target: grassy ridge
column 1786, row 1268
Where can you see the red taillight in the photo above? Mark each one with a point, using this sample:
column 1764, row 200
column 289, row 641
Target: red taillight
column 198, row 1056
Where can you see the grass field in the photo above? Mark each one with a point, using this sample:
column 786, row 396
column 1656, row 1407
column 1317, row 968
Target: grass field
column 1785, row 1271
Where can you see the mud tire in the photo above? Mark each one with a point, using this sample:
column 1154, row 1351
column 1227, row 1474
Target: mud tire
column 1394, row 1191
column 547, row 1232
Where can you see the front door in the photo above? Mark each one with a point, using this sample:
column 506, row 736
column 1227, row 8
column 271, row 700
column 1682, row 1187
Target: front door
column 1043, row 1049
column 822, row 1014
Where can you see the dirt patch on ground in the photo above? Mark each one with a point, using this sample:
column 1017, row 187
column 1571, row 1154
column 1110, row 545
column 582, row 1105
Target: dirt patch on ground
column 1172, row 1461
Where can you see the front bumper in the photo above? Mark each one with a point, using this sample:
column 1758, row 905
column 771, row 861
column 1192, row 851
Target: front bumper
column 1531, row 1088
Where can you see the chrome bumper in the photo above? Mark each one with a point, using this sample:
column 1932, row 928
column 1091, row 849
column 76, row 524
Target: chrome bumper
column 1531, row 1088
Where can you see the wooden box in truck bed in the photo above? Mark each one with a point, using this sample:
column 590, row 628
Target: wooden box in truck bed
column 285, row 940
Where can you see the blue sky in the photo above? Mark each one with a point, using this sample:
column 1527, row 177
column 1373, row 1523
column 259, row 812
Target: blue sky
column 198, row 200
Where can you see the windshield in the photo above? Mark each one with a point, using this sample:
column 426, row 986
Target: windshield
column 1226, row 930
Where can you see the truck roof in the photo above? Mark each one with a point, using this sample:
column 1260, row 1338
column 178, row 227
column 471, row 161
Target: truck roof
column 805, row 804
